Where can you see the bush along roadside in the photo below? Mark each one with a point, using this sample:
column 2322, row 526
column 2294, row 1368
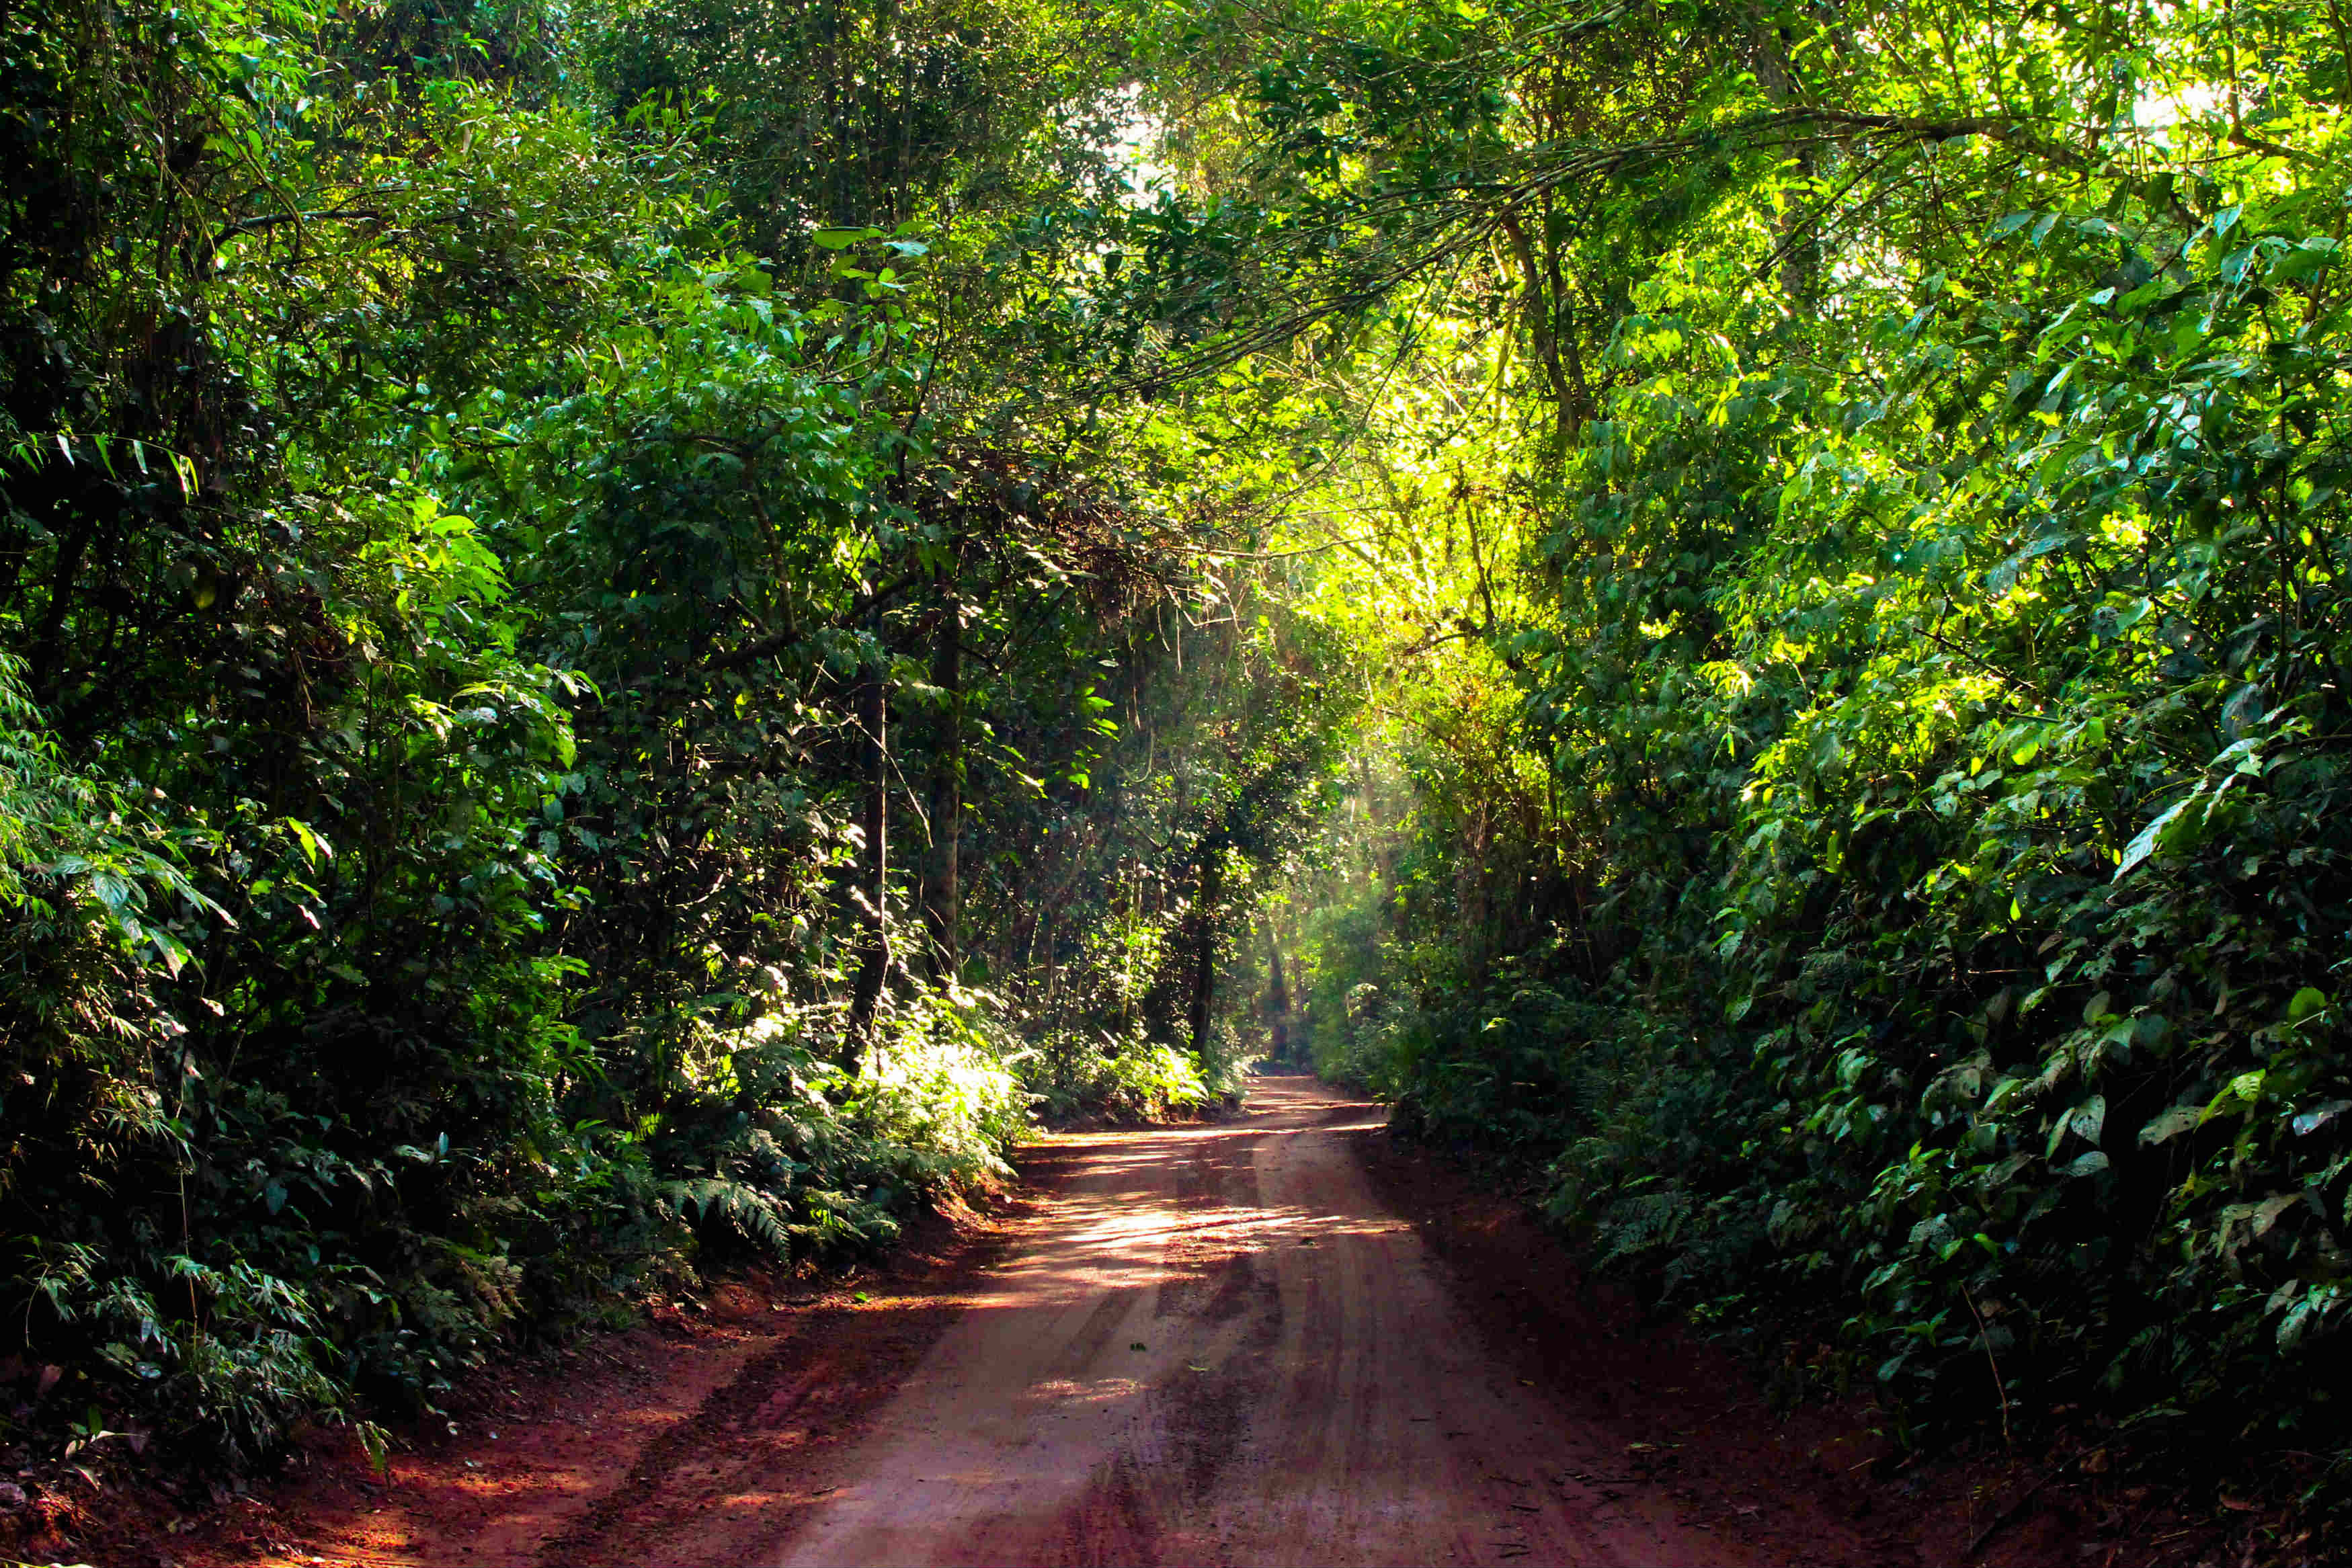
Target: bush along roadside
column 562, row 723
column 1887, row 866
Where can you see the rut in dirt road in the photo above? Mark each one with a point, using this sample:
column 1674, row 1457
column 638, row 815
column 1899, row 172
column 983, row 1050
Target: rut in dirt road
column 1218, row 1346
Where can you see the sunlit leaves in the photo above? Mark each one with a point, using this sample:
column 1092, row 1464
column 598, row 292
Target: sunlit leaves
column 1937, row 646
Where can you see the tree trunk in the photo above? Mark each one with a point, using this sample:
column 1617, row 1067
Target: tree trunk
column 1205, row 953
column 1277, row 995
column 1800, row 240
column 874, row 967
column 942, row 892
column 1472, row 897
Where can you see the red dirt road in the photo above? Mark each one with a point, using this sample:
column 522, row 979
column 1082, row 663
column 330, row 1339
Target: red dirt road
column 1219, row 1346
column 1283, row 1338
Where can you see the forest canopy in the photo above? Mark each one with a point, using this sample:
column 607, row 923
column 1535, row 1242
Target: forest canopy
column 631, row 633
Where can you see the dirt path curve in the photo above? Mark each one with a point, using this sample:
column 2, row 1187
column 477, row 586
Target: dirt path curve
column 1218, row 1346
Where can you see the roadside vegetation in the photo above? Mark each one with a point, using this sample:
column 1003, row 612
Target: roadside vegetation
column 632, row 634
column 581, row 695
column 1855, row 815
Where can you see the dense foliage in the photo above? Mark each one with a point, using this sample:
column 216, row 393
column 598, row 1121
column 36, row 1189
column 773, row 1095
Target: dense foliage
column 1857, row 810
column 629, row 635
column 560, row 717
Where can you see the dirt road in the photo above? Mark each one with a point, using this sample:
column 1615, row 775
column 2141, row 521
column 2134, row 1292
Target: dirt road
column 1218, row 1346
column 1210, row 1345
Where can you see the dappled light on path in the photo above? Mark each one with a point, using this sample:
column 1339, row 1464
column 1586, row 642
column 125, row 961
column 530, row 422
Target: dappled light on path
column 1217, row 1346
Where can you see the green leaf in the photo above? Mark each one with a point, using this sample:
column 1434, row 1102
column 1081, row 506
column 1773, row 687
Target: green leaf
column 2170, row 1124
column 2309, row 1122
column 112, row 891
column 2143, row 844
column 2245, row 1087
column 2271, row 1207
column 314, row 848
